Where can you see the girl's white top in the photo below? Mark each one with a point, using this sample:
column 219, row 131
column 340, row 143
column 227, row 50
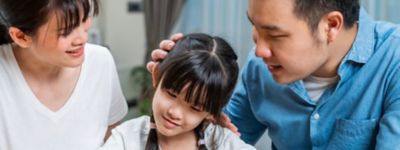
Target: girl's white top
column 132, row 135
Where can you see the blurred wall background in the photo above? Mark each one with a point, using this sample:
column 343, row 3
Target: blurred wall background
column 123, row 33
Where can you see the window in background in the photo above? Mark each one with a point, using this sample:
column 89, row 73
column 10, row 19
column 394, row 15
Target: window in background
column 227, row 19
column 383, row 9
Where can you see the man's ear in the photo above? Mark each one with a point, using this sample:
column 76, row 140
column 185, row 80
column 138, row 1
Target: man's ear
column 154, row 72
column 20, row 38
column 254, row 35
column 333, row 23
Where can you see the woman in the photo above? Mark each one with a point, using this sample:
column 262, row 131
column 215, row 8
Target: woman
column 56, row 91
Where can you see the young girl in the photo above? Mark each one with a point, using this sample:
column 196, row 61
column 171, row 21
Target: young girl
column 193, row 84
column 56, row 91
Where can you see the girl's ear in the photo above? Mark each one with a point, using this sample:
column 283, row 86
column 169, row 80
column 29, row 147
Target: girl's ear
column 154, row 72
column 210, row 118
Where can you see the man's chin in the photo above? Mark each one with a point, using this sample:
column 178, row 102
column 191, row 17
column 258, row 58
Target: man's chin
column 284, row 80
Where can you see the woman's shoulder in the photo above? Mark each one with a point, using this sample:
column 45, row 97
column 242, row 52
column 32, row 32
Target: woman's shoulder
column 98, row 55
column 5, row 50
column 7, row 58
column 93, row 51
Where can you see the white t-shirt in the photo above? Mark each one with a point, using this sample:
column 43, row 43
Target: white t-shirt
column 132, row 135
column 96, row 102
column 316, row 86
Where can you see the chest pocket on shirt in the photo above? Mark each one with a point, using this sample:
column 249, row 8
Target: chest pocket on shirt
column 353, row 135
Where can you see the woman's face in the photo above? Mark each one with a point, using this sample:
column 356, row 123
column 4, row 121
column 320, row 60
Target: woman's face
column 51, row 47
column 173, row 115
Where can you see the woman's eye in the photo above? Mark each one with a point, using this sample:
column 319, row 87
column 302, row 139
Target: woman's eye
column 64, row 33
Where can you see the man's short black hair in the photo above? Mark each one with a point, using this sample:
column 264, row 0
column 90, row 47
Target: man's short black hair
column 313, row 10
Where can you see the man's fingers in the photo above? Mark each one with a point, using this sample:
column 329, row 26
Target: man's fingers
column 176, row 37
column 233, row 128
column 158, row 54
column 167, row 44
column 225, row 118
column 150, row 66
column 228, row 124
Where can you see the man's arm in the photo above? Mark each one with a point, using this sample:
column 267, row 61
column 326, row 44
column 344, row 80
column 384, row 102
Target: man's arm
column 240, row 112
column 389, row 125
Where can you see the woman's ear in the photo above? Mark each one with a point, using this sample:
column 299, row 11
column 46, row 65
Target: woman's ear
column 20, row 38
column 154, row 72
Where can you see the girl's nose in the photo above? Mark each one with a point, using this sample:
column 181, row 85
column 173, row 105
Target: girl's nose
column 174, row 112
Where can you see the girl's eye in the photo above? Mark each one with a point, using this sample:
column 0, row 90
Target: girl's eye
column 196, row 109
column 171, row 94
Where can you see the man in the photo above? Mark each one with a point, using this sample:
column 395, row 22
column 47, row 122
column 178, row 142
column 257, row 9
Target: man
column 323, row 76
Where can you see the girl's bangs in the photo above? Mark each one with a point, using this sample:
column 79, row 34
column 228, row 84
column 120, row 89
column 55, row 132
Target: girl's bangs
column 203, row 88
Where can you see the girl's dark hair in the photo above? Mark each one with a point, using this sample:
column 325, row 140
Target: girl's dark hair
column 29, row 15
column 207, row 67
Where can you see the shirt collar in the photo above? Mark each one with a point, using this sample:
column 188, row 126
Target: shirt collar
column 360, row 51
column 363, row 45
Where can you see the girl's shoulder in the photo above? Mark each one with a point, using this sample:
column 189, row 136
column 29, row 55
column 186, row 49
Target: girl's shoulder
column 222, row 138
column 140, row 125
column 130, row 135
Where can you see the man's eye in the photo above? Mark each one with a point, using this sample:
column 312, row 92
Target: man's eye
column 278, row 36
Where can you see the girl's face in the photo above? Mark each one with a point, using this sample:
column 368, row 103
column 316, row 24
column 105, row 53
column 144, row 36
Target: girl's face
column 173, row 115
column 63, row 51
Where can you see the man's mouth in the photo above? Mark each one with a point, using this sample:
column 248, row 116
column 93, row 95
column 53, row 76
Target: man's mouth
column 274, row 66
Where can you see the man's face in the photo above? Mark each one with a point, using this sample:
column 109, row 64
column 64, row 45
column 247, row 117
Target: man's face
column 285, row 42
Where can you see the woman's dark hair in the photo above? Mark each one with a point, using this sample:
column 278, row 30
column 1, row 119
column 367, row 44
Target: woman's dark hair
column 29, row 15
column 207, row 67
column 312, row 11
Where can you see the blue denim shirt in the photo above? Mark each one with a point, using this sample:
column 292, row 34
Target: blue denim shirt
column 362, row 111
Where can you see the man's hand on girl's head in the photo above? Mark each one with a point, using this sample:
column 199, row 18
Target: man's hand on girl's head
column 161, row 53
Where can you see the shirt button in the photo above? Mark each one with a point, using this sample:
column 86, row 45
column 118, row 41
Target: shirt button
column 316, row 116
